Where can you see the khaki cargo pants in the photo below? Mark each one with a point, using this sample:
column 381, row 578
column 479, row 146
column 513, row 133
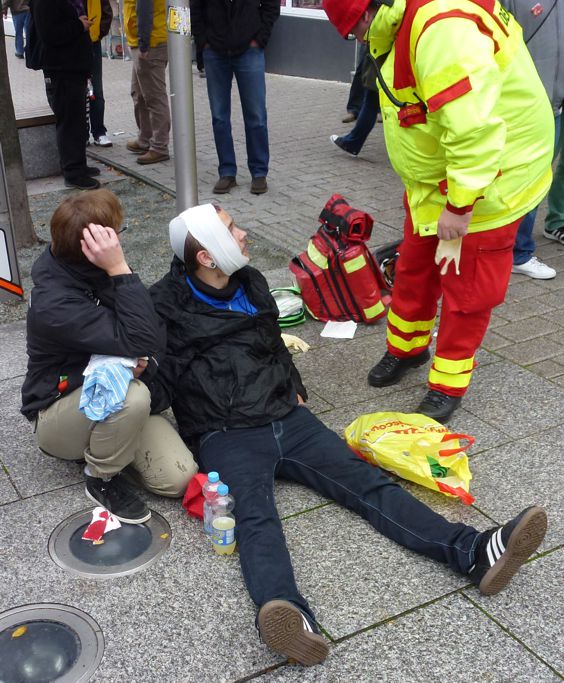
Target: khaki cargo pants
column 148, row 445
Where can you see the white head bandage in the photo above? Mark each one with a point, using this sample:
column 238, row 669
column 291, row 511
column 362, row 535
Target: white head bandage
column 204, row 224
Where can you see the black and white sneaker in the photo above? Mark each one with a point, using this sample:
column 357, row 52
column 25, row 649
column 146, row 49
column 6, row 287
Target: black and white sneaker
column 556, row 235
column 114, row 495
column 285, row 629
column 501, row 551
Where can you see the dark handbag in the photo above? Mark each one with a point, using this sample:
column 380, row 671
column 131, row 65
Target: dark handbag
column 368, row 73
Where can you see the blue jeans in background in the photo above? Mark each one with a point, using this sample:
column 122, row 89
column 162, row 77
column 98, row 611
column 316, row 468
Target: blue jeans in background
column 524, row 247
column 354, row 140
column 299, row 447
column 97, row 105
column 356, row 93
column 21, row 23
column 248, row 69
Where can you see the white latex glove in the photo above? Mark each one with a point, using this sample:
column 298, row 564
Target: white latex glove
column 449, row 250
column 295, row 343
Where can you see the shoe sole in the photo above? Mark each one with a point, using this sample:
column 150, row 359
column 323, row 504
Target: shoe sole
column 281, row 627
column 550, row 236
column 421, row 360
column 226, row 191
column 260, row 191
column 137, row 151
column 345, row 151
column 525, row 539
column 152, row 161
column 125, row 520
column 533, row 276
column 71, row 186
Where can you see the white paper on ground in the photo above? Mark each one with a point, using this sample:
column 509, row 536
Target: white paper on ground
column 337, row 330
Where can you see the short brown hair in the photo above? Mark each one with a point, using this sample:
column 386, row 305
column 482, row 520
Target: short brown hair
column 74, row 213
column 192, row 247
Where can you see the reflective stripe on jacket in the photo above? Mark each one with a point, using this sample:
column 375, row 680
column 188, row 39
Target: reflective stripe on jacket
column 478, row 129
column 158, row 31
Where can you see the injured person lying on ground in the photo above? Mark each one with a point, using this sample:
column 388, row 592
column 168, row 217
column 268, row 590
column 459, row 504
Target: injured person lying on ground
column 239, row 400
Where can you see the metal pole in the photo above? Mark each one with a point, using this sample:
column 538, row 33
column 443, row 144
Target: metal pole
column 182, row 103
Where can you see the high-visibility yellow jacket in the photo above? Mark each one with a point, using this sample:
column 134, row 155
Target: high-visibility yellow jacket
column 158, row 30
column 478, row 129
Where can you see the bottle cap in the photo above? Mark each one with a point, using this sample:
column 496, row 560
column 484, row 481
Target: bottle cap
column 223, row 489
column 213, row 477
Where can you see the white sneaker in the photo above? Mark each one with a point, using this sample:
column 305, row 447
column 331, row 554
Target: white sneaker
column 535, row 269
column 103, row 141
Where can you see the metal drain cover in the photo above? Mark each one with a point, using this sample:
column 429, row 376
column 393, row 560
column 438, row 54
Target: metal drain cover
column 126, row 550
column 46, row 642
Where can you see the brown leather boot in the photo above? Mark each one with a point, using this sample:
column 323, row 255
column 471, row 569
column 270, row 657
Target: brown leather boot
column 152, row 157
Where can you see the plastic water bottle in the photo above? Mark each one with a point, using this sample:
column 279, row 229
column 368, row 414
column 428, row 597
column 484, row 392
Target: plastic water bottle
column 223, row 522
column 209, row 489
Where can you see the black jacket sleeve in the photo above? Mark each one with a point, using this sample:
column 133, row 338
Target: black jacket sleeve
column 106, row 18
column 198, row 21
column 76, row 323
column 269, row 13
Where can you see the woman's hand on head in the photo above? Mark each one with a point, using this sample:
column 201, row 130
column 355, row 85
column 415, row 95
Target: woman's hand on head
column 102, row 247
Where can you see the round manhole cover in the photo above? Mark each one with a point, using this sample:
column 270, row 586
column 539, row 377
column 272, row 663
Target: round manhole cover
column 126, row 550
column 46, row 642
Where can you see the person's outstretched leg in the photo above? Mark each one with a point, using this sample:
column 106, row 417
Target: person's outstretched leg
column 246, row 460
column 315, row 456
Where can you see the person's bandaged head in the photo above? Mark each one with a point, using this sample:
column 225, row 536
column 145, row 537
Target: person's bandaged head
column 205, row 226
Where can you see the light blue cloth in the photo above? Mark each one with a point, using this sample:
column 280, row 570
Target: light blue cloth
column 104, row 390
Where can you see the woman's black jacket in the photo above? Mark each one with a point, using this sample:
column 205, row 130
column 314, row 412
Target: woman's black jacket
column 223, row 369
column 75, row 311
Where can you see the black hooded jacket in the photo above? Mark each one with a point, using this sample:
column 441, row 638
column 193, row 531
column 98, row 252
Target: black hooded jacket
column 75, row 311
column 223, row 369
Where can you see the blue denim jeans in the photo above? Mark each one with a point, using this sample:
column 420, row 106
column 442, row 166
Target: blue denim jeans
column 21, row 23
column 354, row 140
column 300, row 448
column 97, row 105
column 356, row 93
column 248, row 69
column 524, row 242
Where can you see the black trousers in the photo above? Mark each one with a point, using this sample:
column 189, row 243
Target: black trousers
column 66, row 94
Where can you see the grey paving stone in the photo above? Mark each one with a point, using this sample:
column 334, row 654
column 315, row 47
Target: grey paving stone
column 526, row 308
column 292, row 498
column 532, row 351
column 167, row 623
column 31, row 471
column 547, row 368
column 522, row 473
column 527, row 329
column 494, row 341
column 349, row 573
column 448, row 641
column 529, row 610
column 522, row 287
column 513, row 400
column 7, row 492
column 13, row 358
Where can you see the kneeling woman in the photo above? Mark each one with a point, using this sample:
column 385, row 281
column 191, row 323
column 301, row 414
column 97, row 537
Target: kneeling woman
column 85, row 301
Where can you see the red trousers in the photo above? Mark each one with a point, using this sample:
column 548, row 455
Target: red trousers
column 467, row 301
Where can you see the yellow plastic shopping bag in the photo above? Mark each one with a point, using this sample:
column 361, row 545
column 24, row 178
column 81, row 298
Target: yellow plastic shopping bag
column 416, row 448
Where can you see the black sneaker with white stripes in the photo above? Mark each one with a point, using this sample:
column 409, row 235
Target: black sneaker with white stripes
column 556, row 235
column 285, row 629
column 501, row 551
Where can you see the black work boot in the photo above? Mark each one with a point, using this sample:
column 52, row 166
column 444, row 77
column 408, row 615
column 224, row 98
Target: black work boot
column 502, row 550
column 390, row 369
column 439, row 406
column 285, row 629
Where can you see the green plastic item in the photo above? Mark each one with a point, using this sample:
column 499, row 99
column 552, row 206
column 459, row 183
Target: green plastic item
column 290, row 306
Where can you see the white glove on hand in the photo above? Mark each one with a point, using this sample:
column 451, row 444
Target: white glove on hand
column 449, row 250
column 294, row 343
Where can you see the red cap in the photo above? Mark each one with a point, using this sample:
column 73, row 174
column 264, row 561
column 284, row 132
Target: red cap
column 345, row 14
